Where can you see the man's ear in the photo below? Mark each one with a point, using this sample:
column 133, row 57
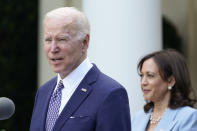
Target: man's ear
column 85, row 42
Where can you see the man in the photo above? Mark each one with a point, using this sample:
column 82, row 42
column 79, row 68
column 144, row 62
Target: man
column 80, row 98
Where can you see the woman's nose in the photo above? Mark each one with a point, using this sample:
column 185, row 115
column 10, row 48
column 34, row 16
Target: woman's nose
column 144, row 81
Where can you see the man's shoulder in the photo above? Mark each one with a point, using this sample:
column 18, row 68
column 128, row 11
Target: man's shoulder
column 105, row 79
column 49, row 83
column 107, row 84
column 101, row 81
column 101, row 77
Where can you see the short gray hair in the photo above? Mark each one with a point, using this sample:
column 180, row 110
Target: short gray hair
column 79, row 19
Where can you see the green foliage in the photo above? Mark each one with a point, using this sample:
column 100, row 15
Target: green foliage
column 18, row 59
column 171, row 37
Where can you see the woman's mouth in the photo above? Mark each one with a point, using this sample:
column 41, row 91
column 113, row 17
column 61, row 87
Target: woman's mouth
column 146, row 91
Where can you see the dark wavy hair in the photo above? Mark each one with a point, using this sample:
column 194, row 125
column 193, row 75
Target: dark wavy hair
column 172, row 63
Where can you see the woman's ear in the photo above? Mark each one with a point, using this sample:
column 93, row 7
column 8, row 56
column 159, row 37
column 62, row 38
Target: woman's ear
column 171, row 81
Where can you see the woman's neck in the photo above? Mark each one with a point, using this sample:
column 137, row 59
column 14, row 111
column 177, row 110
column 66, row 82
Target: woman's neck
column 162, row 105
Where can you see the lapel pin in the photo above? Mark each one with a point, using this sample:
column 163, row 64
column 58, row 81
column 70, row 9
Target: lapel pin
column 83, row 89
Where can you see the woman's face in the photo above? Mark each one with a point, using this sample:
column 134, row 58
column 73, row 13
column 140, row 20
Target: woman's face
column 155, row 89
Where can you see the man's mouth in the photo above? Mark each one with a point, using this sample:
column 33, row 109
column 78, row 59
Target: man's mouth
column 56, row 59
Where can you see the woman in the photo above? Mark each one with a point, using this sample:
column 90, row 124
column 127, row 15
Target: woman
column 166, row 86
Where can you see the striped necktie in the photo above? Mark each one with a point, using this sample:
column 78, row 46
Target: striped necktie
column 54, row 105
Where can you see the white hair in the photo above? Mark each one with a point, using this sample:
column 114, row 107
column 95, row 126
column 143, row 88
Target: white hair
column 78, row 19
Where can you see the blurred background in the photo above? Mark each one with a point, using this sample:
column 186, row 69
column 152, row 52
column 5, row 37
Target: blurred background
column 131, row 28
column 18, row 59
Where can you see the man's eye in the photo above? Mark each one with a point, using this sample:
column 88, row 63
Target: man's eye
column 62, row 39
column 48, row 40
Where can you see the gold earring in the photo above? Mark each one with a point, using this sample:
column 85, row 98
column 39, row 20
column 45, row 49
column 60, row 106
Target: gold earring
column 169, row 87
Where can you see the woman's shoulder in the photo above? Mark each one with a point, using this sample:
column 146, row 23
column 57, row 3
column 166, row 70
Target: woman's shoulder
column 139, row 115
column 186, row 110
column 186, row 113
column 139, row 120
column 140, row 112
column 186, row 118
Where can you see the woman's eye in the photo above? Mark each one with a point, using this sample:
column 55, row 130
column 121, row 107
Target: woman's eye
column 150, row 75
column 141, row 75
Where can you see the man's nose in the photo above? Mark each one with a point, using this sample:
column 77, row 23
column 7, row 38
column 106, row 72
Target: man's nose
column 54, row 47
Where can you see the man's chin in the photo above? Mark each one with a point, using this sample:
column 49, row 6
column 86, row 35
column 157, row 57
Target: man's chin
column 57, row 70
column 61, row 71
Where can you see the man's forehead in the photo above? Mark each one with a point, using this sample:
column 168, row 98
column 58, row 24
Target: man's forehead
column 59, row 20
column 65, row 24
column 59, row 30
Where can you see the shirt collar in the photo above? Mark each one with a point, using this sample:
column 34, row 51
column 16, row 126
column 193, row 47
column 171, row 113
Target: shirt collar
column 75, row 77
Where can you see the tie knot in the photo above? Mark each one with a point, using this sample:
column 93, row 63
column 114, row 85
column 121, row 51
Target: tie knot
column 60, row 85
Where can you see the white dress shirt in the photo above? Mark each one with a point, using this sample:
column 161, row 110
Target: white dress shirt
column 72, row 81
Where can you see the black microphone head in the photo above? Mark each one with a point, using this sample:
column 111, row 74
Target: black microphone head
column 7, row 108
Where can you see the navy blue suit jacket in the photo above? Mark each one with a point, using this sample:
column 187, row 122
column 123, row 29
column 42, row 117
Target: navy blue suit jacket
column 103, row 107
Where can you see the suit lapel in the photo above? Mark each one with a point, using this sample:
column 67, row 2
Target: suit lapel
column 168, row 120
column 46, row 98
column 144, row 121
column 80, row 94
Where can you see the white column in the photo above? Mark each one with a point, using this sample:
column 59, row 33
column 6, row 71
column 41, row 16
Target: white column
column 122, row 31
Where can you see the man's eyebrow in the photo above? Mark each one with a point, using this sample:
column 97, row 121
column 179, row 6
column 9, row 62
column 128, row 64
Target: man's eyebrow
column 64, row 36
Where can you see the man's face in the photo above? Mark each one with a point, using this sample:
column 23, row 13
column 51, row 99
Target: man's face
column 63, row 50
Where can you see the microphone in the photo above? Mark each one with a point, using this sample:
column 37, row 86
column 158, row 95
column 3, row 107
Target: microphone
column 7, row 108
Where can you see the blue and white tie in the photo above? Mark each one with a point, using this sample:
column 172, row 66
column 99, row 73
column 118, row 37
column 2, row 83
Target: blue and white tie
column 54, row 106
